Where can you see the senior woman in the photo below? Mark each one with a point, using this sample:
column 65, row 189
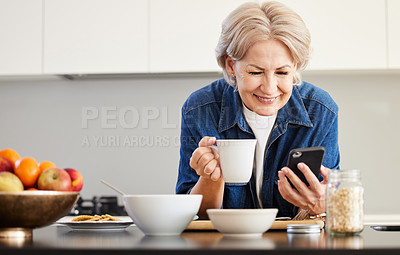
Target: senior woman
column 261, row 50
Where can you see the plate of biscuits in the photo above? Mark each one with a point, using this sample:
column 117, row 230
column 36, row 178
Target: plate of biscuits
column 96, row 222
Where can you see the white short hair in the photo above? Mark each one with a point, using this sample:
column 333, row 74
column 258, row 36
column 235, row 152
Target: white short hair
column 252, row 22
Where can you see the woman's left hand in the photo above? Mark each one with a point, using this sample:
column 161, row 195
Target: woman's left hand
column 311, row 197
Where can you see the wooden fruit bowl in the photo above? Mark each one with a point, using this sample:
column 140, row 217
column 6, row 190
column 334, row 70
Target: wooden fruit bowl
column 22, row 211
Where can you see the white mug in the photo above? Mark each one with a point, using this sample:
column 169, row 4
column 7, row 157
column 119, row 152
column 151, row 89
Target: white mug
column 236, row 159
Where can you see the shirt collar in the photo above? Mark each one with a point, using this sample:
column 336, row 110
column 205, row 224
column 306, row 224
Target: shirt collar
column 231, row 111
column 293, row 112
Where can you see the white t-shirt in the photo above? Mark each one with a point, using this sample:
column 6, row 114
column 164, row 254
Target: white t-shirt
column 261, row 127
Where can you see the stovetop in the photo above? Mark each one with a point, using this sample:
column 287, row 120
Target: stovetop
column 98, row 205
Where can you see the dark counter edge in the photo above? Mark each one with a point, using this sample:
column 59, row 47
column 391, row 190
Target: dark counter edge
column 45, row 251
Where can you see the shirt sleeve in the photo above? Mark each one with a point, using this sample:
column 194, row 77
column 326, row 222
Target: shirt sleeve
column 187, row 176
column 331, row 144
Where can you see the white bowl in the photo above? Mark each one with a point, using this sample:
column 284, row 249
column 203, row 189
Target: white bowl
column 242, row 223
column 162, row 215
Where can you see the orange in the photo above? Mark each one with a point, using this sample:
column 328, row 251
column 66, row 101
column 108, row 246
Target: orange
column 31, row 189
column 28, row 171
column 45, row 164
column 10, row 154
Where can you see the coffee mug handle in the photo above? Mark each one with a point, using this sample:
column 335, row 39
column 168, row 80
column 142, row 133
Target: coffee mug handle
column 214, row 150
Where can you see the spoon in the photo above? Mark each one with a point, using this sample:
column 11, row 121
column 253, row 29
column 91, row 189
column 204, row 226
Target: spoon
column 112, row 187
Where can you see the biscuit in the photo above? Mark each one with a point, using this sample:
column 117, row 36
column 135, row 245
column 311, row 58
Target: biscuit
column 105, row 217
column 82, row 218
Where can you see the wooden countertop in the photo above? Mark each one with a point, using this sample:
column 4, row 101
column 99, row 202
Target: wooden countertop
column 277, row 225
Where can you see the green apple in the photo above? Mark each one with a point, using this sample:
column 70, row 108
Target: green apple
column 10, row 182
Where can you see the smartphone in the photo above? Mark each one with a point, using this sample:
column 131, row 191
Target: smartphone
column 386, row 228
column 311, row 156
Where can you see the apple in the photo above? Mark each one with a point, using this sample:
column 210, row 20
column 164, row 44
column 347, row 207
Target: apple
column 54, row 179
column 10, row 182
column 6, row 165
column 76, row 178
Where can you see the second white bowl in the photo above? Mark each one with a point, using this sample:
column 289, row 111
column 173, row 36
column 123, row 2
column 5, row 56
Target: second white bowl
column 242, row 223
column 162, row 215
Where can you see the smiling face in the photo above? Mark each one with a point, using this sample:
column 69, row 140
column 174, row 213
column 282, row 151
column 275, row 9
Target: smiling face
column 264, row 76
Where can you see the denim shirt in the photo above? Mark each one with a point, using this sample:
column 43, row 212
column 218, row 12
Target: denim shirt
column 309, row 118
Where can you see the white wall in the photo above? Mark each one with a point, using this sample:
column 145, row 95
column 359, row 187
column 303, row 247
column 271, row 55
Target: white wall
column 46, row 119
column 368, row 132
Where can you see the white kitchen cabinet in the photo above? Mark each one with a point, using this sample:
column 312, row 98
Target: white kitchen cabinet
column 184, row 34
column 96, row 36
column 346, row 35
column 21, row 37
column 173, row 36
column 393, row 7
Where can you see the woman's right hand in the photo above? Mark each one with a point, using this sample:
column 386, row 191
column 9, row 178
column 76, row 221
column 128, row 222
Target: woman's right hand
column 205, row 159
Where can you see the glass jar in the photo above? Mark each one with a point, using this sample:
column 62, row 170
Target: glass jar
column 344, row 202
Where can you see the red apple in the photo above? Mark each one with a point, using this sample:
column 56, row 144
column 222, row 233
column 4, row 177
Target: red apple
column 6, row 165
column 76, row 178
column 54, row 179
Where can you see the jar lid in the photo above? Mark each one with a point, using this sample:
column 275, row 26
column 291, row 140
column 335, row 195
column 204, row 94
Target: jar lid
column 352, row 174
column 303, row 228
